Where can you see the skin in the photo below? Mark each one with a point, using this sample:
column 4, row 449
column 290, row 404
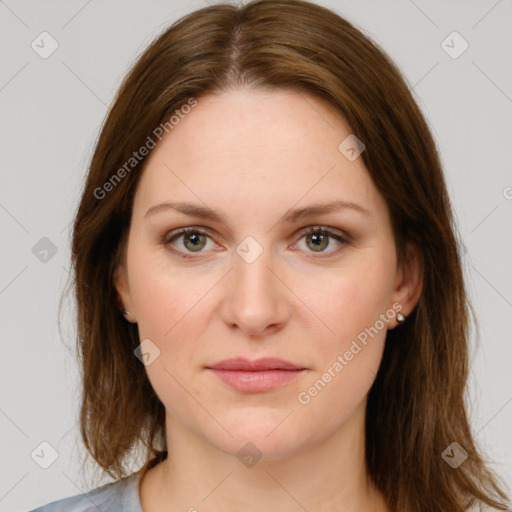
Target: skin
column 251, row 155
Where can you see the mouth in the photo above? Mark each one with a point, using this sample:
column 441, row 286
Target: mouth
column 256, row 376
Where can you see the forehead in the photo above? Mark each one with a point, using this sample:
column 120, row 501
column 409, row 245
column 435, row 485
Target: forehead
column 256, row 148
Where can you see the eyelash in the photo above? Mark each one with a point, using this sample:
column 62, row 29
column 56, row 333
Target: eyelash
column 166, row 240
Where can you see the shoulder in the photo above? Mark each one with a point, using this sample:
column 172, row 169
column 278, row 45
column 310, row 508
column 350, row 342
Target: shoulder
column 120, row 496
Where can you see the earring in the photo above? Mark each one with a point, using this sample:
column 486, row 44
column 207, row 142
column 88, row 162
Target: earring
column 400, row 318
column 125, row 312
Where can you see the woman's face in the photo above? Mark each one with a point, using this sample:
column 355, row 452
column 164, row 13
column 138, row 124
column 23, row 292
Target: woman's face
column 251, row 282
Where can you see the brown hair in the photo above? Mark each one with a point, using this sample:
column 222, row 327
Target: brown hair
column 416, row 406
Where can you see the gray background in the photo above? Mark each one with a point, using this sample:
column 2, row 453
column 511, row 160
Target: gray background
column 51, row 111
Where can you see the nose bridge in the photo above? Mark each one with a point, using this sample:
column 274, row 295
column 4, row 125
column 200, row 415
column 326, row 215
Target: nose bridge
column 255, row 299
column 254, row 274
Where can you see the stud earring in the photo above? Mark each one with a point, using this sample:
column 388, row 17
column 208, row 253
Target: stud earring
column 400, row 318
column 125, row 312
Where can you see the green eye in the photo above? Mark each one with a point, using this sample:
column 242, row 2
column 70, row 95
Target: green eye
column 318, row 239
column 194, row 239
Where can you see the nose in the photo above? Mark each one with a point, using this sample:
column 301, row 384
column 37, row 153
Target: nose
column 255, row 300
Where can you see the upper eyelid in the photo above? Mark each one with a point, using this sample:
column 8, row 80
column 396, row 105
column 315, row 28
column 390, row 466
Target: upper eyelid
column 330, row 231
column 206, row 231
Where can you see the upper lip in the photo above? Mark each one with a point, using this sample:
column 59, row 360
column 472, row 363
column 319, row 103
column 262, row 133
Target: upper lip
column 265, row 363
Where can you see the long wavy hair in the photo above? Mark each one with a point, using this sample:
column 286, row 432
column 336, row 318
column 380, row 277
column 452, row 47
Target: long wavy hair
column 417, row 405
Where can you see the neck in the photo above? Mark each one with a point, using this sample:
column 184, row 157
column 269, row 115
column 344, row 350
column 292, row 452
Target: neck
column 328, row 474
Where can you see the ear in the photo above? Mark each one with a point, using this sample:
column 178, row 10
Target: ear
column 409, row 280
column 122, row 287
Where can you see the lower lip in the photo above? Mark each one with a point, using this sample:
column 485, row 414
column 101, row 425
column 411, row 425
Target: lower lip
column 256, row 381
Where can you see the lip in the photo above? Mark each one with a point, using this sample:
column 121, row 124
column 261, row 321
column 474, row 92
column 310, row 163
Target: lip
column 262, row 364
column 256, row 376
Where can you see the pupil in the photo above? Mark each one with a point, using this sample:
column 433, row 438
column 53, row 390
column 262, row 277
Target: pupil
column 318, row 240
column 195, row 240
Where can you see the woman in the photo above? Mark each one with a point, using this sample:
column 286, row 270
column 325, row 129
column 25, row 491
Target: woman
column 271, row 306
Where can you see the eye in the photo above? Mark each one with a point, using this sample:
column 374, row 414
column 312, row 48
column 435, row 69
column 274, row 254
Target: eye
column 317, row 239
column 194, row 240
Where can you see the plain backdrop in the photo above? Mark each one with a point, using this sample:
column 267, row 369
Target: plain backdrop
column 50, row 113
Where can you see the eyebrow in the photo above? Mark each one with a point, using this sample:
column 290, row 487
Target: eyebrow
column 291, row 216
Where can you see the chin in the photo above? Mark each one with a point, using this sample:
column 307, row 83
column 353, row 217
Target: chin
column 262, row 431
column 258, row 448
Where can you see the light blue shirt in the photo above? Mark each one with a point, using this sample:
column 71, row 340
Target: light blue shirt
column 120, row 496
column 123, row 496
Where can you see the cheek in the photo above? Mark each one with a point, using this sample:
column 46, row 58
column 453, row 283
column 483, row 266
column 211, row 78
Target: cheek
column 349, row 300
column 169, row 311
column 173, row 311
column 349, row 359
column 354, row 306
column 333, row 395
column 157, row 306
column 161, row 294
